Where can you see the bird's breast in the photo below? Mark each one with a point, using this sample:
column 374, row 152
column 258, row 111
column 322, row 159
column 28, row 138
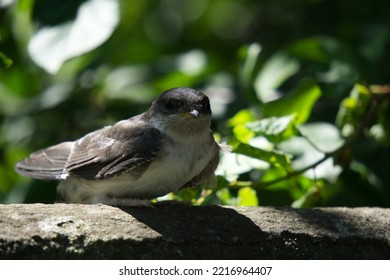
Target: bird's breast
column 176, row 164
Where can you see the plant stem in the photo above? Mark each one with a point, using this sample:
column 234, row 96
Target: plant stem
column 374, row 104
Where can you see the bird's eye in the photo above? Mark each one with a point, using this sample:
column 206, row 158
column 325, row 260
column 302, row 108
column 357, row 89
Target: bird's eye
column 171, row 105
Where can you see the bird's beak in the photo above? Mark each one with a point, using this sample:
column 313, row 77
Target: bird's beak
column 194, row 113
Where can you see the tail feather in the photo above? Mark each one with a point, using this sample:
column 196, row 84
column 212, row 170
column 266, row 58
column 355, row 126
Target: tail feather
column 47, row 164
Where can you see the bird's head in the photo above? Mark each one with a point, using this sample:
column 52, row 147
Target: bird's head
column 183, row 110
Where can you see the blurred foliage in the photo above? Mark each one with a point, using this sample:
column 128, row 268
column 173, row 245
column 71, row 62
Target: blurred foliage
column 299, row 89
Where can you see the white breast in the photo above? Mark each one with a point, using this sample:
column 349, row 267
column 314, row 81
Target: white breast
column 176, row 164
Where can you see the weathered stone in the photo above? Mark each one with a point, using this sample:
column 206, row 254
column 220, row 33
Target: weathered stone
column 69, row 231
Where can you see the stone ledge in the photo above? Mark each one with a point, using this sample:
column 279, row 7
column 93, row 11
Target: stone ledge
column 70, row 231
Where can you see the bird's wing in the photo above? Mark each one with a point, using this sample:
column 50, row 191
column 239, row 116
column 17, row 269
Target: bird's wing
column 111, row 151
column 101, row 154
column 47, row 164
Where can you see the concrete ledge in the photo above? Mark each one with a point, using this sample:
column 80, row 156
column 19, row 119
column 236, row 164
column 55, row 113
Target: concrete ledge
column 66, row 231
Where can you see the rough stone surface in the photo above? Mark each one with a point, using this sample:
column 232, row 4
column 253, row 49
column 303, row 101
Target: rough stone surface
column 69, row 231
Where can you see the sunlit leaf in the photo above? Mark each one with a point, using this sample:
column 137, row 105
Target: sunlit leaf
column 274, row 73
column 239, row 123
column 325, row 136
column 352, row 109
column 192, row 63
column 299, row 102
column 232, row 165
column 274, row 173
column 249, row 54
column 54, row 95
column 274, row 128
column 96, row 20
column 247, row 197
column 128, row 82
column 306, row 154
column 6, row 3
column 186, row 194
column 242, row 133
column 242, row 117
column 272, row 157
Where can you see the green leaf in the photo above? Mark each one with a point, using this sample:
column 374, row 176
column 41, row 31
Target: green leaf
column 273, row 157
column 249, row 55
column 96, row 20
column 305, row 154
column 242, row 117
column 129, row 83
column 239, row 122
column 232, row 165
column 309, row 49
column 226, row 197
column 299, row 102
column 274, row 129
column 353, row 108
column 324, row 136
column 247, row 197
column 242, row 133
column 311, row 198
column 5, row 62
column 274, row 73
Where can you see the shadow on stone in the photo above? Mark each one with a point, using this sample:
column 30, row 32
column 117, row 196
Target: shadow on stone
column 183, row 223
column 202, row 232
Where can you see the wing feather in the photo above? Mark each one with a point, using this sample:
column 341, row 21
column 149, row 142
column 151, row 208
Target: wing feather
column 47, row 164
column 113, row 150
column 104, row 153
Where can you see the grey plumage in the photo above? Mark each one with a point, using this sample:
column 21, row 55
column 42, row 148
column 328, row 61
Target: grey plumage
column 99, row 155
column 133, row 158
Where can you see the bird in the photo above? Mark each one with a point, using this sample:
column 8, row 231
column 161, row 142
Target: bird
column 167, row 148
